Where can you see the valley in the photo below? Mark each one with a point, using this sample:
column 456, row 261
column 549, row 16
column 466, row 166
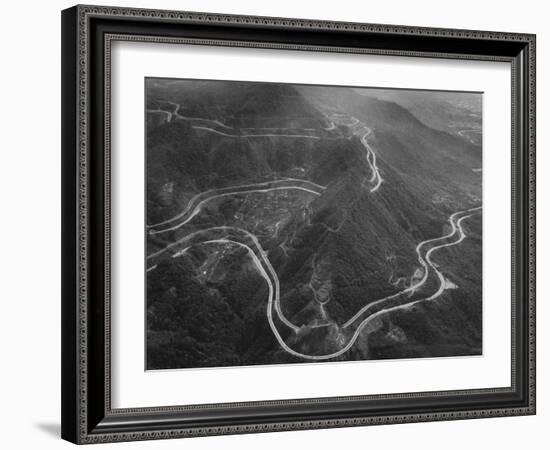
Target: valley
column 314, row 220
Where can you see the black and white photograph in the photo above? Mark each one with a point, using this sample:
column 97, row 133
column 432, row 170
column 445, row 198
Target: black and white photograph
column 275, row 225
column 293, row 223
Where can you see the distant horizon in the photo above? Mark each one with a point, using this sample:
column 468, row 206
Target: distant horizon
column 386, row 88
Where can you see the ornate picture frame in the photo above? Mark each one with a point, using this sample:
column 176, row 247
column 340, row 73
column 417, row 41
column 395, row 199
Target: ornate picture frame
column 88, row 33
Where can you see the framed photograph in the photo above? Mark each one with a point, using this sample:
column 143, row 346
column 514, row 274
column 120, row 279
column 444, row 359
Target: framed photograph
column 279, row 224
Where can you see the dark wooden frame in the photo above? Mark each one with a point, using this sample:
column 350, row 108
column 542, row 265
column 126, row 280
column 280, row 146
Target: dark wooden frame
column 87, row 32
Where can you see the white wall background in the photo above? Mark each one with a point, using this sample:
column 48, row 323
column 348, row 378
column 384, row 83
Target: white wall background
column 30, row 225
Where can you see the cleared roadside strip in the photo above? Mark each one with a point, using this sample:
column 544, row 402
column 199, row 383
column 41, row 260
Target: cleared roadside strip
column 271, row 296
column 380, row 312
column 262, row 262
column 212, row 130
column 360, row 127
column 371, row 159
column 194, row 205
column 177, row 115
column 425, row 265
column 273, row 280
column 464, row 134
column 274, row 288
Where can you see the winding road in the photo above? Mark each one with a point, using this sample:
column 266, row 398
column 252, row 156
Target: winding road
column 198, row 201
column 207, row 125
column 384, row 306
column 360, row 129
column 360, row 320
column 375, row 178
column 244, row 239
column 464, row 134
column 306, row 136
column 424, row 251
column 227, row 235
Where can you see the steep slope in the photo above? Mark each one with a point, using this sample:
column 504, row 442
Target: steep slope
column 452, row 112
column 335, row 248
column 244, row 104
